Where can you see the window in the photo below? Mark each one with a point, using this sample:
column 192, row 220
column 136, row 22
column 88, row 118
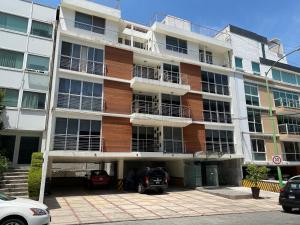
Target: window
column 288, row 125
column 286, row 99
column 176, row 44
column 258, row 149
column 219, row 141
column 291, row 151
column 41, row 29
column 77, row 135
column 255, row 68
column 251, row 94
column 254, row 120
column 143, row 139
column 28, row 145
column 74, row 94
column 7, row 146
column 12, row 22
column 286, row 77
column 91, row 23
column 10, row 97
column 173, row 140
column 209, row 57
column 33, row 100
column 171, row 73
column 238, row 63
column 11, row 59
column 215, row 83
column 37, row 63
column 81, row 58
column 216, row 111
column 171, row 106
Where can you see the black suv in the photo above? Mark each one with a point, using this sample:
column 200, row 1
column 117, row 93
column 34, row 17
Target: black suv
column 152, row 179
column 289, row 197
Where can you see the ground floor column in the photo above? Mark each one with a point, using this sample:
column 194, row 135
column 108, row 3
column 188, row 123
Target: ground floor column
column 120, row 175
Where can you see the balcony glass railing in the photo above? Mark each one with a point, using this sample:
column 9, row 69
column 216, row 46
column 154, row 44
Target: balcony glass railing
column 63, row 142
column 287, row 103
column 220, row 147
column 292, row 129
column 153, row 145
column 173, row 146
column 82, row 65
column 154, row 108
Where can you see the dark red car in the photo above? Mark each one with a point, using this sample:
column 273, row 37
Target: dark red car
column 98, row 178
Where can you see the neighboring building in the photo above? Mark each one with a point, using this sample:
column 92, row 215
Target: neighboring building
column 253, row 56
column 125, row 95
column 26, row 45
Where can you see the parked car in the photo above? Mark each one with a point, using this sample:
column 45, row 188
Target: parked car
column 152, row 179
column 21, row 211
column 295, row 178
column 98, row 178
column 289, row 197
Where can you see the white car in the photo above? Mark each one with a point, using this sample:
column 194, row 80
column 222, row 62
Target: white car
column 21, row 211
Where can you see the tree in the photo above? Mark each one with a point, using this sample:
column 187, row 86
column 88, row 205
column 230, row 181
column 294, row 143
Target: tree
column 256, row 173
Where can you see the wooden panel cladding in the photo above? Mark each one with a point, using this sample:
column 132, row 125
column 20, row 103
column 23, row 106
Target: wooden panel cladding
column 194, row 138
column 195, row 103
column 119, row 63
column 117, row 97
column 116, row 134
column 192, row 74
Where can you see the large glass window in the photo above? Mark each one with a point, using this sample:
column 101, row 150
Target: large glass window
column 41, row 29
column 144, row 140
column 88, row 22
column 171, row 106
column 255, row 68
column 77, row 135
column 176, row 44
column 291, row 151
column 171, row 73
column 258, row 149
column 11, row 59
column 216, row 111
column 285, row 77
column 81, row 58
column 13, row 22
column 74, row 94
column 173, row 140
column 254, row 120
column 37, row 63
column 288, row 125
column 219, row 141
column 33, row 100
column 238, row 63
column 215, row 83
column 10, row 97
column 251, row 94
column 286, row 99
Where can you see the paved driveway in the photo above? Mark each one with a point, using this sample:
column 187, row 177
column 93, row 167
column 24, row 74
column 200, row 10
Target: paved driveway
column 100, row 206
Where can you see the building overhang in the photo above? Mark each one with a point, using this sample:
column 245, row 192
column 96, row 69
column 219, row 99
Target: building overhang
column 157, row 86
column 211, row 156
column 288, row 111
column 158, row 120
column 289, row 137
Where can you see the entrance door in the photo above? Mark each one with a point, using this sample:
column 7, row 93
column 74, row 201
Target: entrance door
column 212, row 178
column 28, row 145
column 7, row 146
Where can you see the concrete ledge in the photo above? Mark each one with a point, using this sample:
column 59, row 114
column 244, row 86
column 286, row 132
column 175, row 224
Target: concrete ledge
column 225, row 192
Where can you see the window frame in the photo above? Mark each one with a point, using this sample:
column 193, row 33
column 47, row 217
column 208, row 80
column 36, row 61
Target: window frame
column 253, row 64
column 177, row 47
column 227, row 119
column 17, row 99
column 254, row 122
column 39, row 36
column 216, row 142
column 92, row 27
column 210, row 84
column 17, row 16
column 256, row 150
column 38, row 93
column 235, row 63
column 13, row 51
column 251, row 95
column 34, row 70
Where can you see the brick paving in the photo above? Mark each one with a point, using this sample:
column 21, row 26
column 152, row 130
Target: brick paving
column 99, row 207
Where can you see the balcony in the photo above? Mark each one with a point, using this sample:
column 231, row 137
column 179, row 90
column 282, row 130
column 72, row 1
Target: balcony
column 155, row 114
column 82, row 65
column 289, row 132
column 149, row 79
column 62, row 142
column 287, row 107
column 153, row 145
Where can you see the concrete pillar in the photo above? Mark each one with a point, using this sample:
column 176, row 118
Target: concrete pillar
column 120, row 175
column 16, row 150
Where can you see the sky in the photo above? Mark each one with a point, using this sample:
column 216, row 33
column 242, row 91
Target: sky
column 269, row 18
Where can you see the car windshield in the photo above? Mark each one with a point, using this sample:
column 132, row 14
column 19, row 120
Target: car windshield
column 295, row 186
column 99, row 173
column 5, row 197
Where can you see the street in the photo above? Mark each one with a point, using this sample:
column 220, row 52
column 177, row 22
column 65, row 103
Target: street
column 257, row 218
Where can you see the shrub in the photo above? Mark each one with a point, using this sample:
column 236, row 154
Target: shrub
column 256, row 173
column 35, row 175
column 3, row 164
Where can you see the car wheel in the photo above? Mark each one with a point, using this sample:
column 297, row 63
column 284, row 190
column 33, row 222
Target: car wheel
column 141, row 189
column 287, row 209
column 160, row 191
column 13, row 221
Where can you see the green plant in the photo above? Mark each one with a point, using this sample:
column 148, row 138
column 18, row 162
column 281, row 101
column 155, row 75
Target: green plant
column 35, row 174
column 3, row 164
column 256, row 173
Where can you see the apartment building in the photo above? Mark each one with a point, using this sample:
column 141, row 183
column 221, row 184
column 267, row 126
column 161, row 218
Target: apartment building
column 26, row 44
column 125, row 95
column 253, row 55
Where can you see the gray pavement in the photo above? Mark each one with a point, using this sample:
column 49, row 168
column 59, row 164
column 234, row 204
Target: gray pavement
column 257, row 218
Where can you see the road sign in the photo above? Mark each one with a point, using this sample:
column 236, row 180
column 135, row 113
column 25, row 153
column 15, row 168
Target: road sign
column 277, row 159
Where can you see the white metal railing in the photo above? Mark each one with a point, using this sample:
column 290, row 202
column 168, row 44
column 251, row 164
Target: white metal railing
column 286, row 128
column 112, row 36
column 64, row 142
column 158, row 74
column 81, row 102
column 149, row 107
column 82, row 65
column 287, row 103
